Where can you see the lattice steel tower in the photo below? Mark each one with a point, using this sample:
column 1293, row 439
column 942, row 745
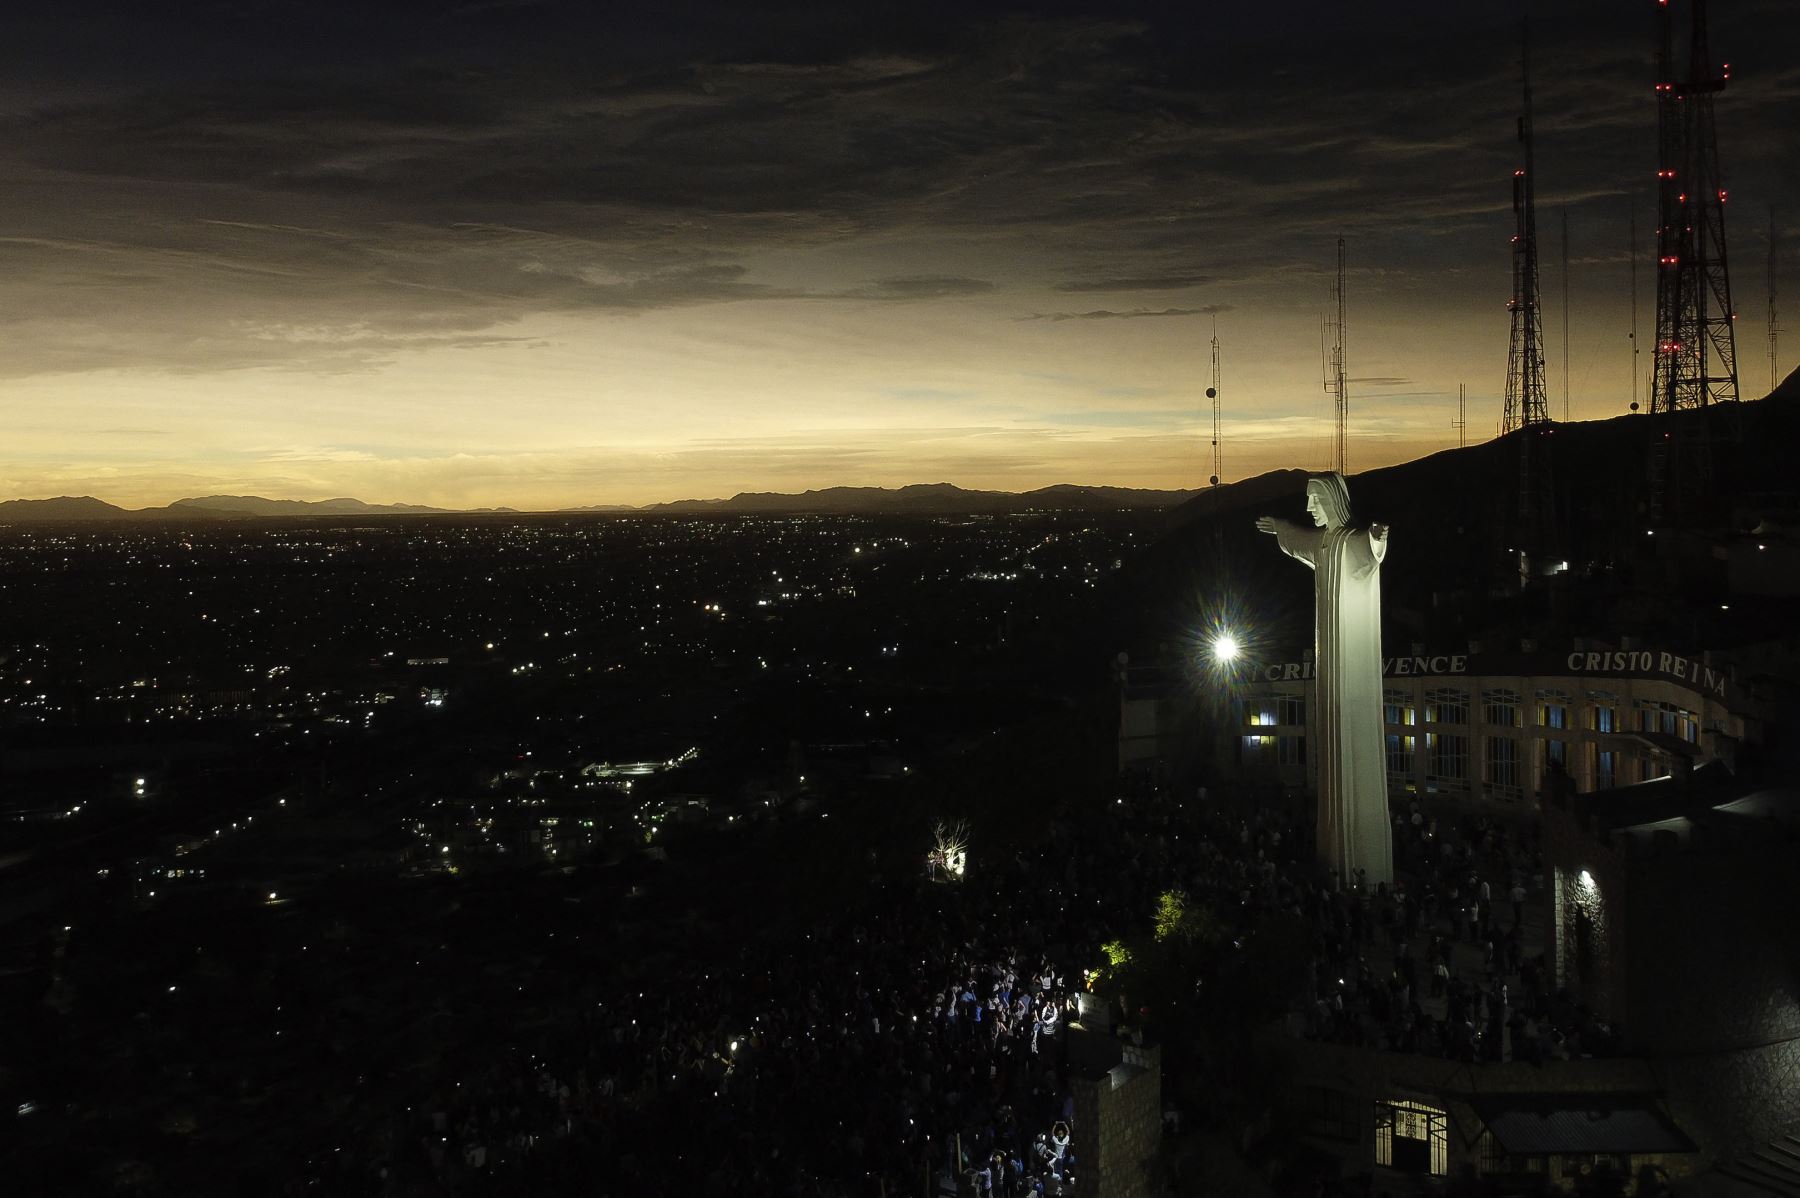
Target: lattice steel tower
column 1526, row 410
column 1525, row 402
column 1696, row 346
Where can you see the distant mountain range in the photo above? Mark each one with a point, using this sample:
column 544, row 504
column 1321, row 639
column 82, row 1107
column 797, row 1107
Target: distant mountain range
column 256, row 505
column 209, row 507
column 920, row 499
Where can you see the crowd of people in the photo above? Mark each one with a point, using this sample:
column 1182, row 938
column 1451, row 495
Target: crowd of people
column 1439, row 963
column 916, row 1042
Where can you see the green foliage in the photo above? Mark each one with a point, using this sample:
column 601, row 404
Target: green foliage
column 1169, row 912
column 1183, row 923
column 1118, row 955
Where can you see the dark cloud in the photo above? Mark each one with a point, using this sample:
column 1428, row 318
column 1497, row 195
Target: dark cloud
column 924, row 287
column 1133, row 314
column 1143, row 283
column 203, row 189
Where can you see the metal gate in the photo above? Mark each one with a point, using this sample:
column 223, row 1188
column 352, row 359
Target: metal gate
column 1412, row 1137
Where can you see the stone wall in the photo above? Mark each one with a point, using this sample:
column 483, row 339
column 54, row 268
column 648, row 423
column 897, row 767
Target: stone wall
column 1118, row 1124
column 1590, row 916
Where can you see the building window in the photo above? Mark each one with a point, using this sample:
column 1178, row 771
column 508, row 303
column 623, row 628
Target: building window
column 1400, row 761
column 1290, row 710
column 1669, row 720
column 1606, row 769
column 1290, row 750
column 1397, row 710
column 1553, row 709
column 1412, row 1137
column 1503, row 767
column 1605, row 719
column 1500, row 708
column 1262, row 715
column 1557, row 751
column 1448, row 759
column 1446, row 707
column 1328, row 1113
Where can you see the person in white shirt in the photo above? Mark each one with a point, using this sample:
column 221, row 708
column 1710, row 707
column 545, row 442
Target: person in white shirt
column 1046, row 1024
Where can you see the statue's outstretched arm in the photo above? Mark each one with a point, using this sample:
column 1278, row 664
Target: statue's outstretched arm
column 1294, row 539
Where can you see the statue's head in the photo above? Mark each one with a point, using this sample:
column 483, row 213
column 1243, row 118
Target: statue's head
column 1328, row 500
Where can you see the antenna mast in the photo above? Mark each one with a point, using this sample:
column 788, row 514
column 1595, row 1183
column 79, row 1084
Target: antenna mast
column 1334, row 363
column 1525, row 403
column 1634, row 305
column 1212, row 393
column 1774, row 329
column 1526, row 410
column 1565, row 308
column 1696, row 346
column 1461, row 423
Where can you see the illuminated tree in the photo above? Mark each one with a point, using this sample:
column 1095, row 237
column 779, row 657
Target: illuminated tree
column 949, row 849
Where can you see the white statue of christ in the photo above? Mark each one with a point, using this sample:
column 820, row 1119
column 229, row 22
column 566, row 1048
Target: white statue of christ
column 1353, row 832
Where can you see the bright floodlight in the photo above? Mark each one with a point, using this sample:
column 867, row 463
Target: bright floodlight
column 1225, row 648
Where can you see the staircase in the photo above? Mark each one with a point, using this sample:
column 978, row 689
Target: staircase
column 1773, row 1168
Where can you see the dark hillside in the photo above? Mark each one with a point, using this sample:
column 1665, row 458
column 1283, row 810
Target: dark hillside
column 1448, row 576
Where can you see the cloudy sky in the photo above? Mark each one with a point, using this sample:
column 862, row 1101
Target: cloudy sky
column 550, row 253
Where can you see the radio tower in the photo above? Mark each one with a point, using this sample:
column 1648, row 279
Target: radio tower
column 1526, row 410
column 1212, row 393
column 1774, row 329
column 1695, row 365
column 1334, row 362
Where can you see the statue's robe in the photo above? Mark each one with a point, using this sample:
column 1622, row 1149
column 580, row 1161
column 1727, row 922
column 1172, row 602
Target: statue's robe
column 1347, row 746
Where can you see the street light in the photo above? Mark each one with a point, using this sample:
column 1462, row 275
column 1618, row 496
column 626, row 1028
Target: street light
column 1224, row 648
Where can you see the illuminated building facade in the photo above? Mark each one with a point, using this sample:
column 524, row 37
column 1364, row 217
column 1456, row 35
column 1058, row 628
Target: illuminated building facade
column 1496, row 725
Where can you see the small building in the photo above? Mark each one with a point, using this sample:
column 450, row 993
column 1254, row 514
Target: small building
column 1519, row 1127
